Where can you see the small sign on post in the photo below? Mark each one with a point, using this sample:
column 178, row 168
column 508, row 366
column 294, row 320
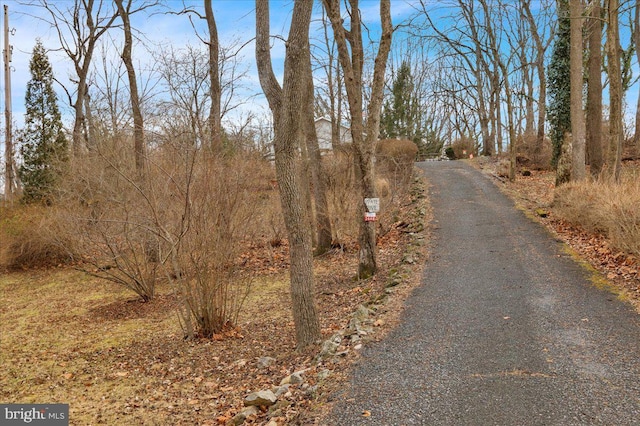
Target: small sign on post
column 373, row 204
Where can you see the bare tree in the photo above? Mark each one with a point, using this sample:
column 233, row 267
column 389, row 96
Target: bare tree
column 139, row 147
column 614, row 153
column 318, row 179
column 364, row 136
column 184, row 74
column 502, row 64
column 79, row 25
column 215, row 91
column 578, row 171
column 286, row 104
column 214, row 121
column 333, row 87
column 594, row 91
column 541, row 48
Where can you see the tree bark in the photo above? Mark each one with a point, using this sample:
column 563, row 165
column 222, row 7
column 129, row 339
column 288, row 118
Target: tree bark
column 215, row 112
column 578, row 171
column 287, row 104
column 614, row 155
column 594, row 92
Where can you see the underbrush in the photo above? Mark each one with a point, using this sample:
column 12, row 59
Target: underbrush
column 604, row 207
column 116, row 360
column 32, row 238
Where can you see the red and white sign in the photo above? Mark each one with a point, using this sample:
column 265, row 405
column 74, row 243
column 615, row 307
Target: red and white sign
column 370, row 217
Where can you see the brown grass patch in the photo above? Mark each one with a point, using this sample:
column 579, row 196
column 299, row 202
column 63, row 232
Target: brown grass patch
column 612, row 209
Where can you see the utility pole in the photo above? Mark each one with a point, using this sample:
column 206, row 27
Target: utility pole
column 9, row 181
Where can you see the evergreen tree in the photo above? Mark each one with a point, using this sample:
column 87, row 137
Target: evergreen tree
column 43, row 143
column 402, row 116
column 397, row 118
column 559, row 79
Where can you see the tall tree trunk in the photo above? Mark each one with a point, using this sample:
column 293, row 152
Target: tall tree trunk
column 530, row 115
column 78, row 134
column 287, row 104
column 578, row 171
column 352, row 59
column 594, row 92
column 614, row 154
column 138, row 124
column 318, row 178
column 215, row 124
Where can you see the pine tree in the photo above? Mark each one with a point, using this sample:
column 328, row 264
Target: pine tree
column 402, row 116
column 43, row 143
column 397, row 118
column 559, row 77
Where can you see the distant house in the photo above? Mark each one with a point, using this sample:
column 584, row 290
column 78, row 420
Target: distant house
column 323, row 130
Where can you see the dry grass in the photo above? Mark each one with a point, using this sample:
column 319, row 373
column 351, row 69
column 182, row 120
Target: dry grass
column 612, row 209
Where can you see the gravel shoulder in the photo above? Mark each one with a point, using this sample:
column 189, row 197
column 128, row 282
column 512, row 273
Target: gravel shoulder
column 505, row 329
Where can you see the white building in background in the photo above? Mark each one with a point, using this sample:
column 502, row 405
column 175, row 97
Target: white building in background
column 323, row 130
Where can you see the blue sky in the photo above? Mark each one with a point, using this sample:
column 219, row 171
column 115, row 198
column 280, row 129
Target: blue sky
column 235, row 20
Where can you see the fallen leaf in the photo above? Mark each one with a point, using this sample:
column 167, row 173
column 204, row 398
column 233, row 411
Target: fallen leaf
column 366, row 413
column 223, row 419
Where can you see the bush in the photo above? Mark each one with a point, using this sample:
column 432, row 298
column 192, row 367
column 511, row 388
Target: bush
column 394, row 161
column 186, row 222
column 533, row 155
column 33, row 237
column 450, row 153
column 464, row 147
column 107, row 211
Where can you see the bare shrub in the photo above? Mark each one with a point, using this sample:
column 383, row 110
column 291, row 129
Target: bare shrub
column 342, row 193
column 604, row 207
column 184, row 221
column 533, row 155
column 110, row 214
column 220, row 208
column 394, row 161
column 463, row 147
column 32, row 237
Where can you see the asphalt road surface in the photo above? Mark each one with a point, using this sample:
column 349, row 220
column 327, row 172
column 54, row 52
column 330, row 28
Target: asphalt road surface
column 506, row 328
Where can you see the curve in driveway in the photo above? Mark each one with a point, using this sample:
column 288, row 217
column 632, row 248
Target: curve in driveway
column 506, row 329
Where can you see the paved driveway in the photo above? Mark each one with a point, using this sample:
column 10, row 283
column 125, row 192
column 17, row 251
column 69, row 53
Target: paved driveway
column 506, row 328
